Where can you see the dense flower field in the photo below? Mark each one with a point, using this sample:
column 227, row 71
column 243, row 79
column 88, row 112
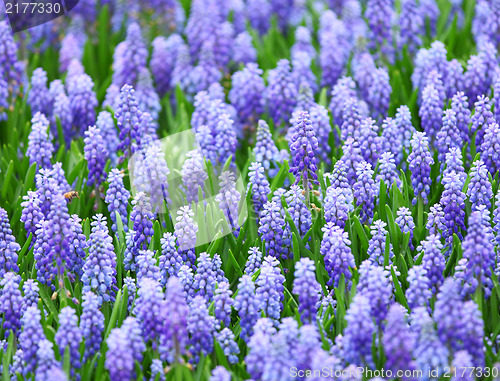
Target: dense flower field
column 251, row 189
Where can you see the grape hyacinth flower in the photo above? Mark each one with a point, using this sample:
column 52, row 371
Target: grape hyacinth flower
column 338, row 179
column 496, row 219
column 379, row 14
column 398, row 342
column 10, row 303
column 472, row 332
column 303, row 145
column 228, row 199
column 129, row 57
column 120, row 356
column 344, row 89
column 454, row 78
column 47, row 364
column 53, row 251
column 265, row 150
column 303, row 42
column 69, row 334
column 358, row 335
column 131, row 289
column 334, row 52
column 429, row 352
column 201, row 328
column 479, row 189
column 475, row 82
column 405, row 128
column 481, row 118
column 151, row 174
column 193, row 175
column 307, row 288
column 142, row 217
column 463, row 360
column 298, row 210
column 479, row 251
column 174, row 339
column 419, row 163
column 270, row 288
column 351, row 158
column 449, row 135
column 9, row 248
column 225, row 140
column 336, row 206
column 96, row 154
column 62, row 111
column 405, row 222
column 447, row 314
column 433, row 261
column 31, row 335
column 37, row 95
column 302, row 72
column 379, row 93
column 490, row 148
column 453, row 200
column 163, row 59
column 223, row 303
column 133, row 331
column 247, row 91
column 460, row 104
column 204, row 279
column 106, row 126
column 71, row 48
column 31, row 296
column 170, row 259
column 148, row 307
column 419, row 292
column 387, row 171
column 272, row 229
column 351, row 119
column 99, row 270
column 435, row 221
column 254, row 261
column 374, row 283
column 259, row 348
column 226, row 340
column 454, row 163
column 146, row 96
column 31, row 216
column 117, row 199
column 243, row 50
column 370, row 143
column 40, row 147
column 365, row 191
column 260, row 186
column 219, row 373
column 127, row 116
column 496, row 96
column 83, row 101
column 412, row 24
column 146, row 266
column 431, row 110
column 185, row 232
column 206, row 71
column 247, row 305
column 377, row 244
column 157, row 371
column 91, row 324
column 12, row 67
column 281, row 92
column 339, row 259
